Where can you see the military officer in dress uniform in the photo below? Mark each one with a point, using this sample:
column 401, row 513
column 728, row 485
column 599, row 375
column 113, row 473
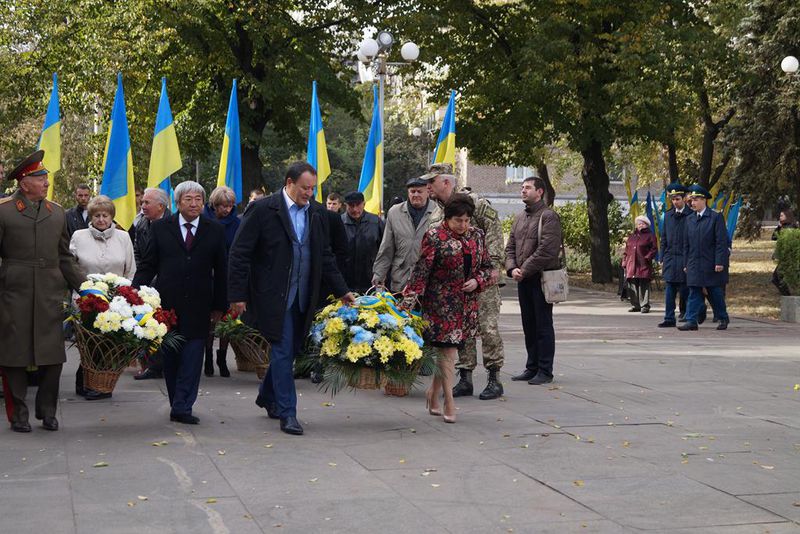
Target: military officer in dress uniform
column 36, row 270
column 672, row 237
column 441, row 186
column 706, row 257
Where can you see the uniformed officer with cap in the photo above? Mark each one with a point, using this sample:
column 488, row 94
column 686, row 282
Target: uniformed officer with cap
column 441, row 186
column 706, row 257
column 36, row 270
column 672, row 237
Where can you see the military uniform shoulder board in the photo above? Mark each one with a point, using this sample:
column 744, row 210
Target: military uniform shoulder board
column 20, row 206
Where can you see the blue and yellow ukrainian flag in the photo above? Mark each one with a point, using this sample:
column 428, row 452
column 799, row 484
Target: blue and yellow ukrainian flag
column 732, row 217
column 446, row 143
column 633, row 200
column 118, row 163
column 371, row 182
column 317, row 151
column 165, row 157
column 651, row 209
column 50, row 139
column 230, row 162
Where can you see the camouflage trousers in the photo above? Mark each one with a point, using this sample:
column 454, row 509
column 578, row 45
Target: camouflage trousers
column 492, row 344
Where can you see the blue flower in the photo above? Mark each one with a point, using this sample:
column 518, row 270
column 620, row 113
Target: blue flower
column 387, row 320
column 360, row 335
column 410, row 334
column 347, row 313
column 316, row 332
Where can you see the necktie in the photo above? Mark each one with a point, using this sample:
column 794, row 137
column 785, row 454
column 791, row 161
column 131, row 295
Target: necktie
column 189, row 236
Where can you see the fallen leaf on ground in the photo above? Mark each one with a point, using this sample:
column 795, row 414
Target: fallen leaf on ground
column 578, row 483
column 221, row 452
column 797, row 387
column 101, row 464
column 159, row 443
column 331, row 464
column 523, row 446
column 329, row 404
column 435, row 485
column 312, row 480
column 142, row 497
column 402, row 460
column 796, row 503
column 626, row 444
column 131, row 504
column 768, row 467
column 268, row 446
column 211, row 500
column 425, row 474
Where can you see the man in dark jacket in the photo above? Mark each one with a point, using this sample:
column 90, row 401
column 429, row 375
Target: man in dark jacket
column 78, row 217
column 706, row 257
column 185, row 253
column 277, row 262
column 527, row 255
column 364, row 235
column 672, row 237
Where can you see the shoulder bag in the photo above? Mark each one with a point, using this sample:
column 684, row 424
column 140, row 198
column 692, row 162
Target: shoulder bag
column 555, row 283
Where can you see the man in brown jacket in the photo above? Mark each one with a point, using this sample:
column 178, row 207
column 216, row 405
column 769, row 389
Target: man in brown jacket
column 528, row 254
column 36, row 268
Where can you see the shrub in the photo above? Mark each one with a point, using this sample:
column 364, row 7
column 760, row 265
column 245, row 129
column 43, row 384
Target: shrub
column 787, row 252
column 578, row 262
column 575, row 226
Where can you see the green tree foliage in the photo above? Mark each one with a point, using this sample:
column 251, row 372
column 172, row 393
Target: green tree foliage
column 787, row 252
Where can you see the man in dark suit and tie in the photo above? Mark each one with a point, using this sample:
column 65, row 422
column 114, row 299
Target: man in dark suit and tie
column 279, row 258
column 186, row 254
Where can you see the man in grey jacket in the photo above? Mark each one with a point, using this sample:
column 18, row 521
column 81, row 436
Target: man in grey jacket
column 528, row 254
column 406, row 223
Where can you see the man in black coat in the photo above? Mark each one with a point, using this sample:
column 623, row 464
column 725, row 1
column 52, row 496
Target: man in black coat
column 364, row 235
column 706, row 258
column 78, row 217
column 278, row 260
column 672, row 237
column 186, row 255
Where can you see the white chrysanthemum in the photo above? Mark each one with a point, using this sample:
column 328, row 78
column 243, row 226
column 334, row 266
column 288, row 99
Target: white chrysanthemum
column 150, row 296
column 123, row 282
column 128, row 324
column 138, row 331
column 94, row 277
column 108, row 321
column 119, row 305
column 142, row 308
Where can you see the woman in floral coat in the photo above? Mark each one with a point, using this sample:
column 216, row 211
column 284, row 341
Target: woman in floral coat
column 453, row 266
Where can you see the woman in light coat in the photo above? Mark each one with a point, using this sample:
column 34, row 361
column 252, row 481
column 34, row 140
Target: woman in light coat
column 101, row 248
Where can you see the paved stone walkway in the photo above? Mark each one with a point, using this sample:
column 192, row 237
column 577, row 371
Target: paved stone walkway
column 643, row 430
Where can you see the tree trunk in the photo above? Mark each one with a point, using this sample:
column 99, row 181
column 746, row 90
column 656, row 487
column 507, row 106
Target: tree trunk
column 251, row 170
column 711, row 131
column 549, row 192
column 595, row 178
column 672, row 157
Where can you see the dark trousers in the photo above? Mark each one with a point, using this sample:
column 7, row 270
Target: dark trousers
column 716, row 296
column 639, row 292
column 537, row 324
column 182, row 375
column 278, row 384
column 671, row 291
column 46, row 395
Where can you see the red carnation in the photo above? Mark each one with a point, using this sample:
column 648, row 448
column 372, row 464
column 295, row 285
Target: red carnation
column 92, row 304
column 131, row 295
column 167, row 317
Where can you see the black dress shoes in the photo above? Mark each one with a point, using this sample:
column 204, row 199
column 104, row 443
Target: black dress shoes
column 272, row 408
column 21, row 426
column 185, row 418
column 667, row 324
column 148, row 374
column 634, row 309
column 540, row 379
column 687, row 326
column 645, row 309
column 50, row 423
column 723, row 325
column 91, row 394
column 703, row 315
column 291, row 425
column 525, row 375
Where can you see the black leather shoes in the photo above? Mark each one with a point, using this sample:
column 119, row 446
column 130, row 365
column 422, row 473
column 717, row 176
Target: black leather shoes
column 291, row 425
column 185, row 418
column 222, row 363
column 272, row 408
column 687, row 326
column 50, row 423
column 634, row 309
column 148, row 374
column 540, row 379
column 21, row 426
column 91, row 394
column 703, row 315
column 667, row 324
column 525, row 375
column 723, row 325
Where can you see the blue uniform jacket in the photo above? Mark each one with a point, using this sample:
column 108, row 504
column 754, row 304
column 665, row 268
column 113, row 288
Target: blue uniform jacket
column 673, row 236
column 706, row 245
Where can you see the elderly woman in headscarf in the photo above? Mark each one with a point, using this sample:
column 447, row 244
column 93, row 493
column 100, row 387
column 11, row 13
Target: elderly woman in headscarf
column 637, row 261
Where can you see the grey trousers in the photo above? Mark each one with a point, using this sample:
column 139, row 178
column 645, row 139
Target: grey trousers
column 46, row 395
column 639, row 292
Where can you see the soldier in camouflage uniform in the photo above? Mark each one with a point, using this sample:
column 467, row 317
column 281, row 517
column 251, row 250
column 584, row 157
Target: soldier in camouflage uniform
column 441, row 186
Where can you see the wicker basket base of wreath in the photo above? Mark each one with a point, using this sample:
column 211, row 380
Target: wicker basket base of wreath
column 367, row 378
column 396, row 390
column 251, row 354
column 102, row 359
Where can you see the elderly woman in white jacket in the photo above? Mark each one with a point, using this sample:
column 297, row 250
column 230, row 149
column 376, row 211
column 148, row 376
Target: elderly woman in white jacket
column 101, row 248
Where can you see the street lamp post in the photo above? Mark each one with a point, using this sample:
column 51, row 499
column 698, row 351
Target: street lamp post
column 790, row 65
column 376, row 51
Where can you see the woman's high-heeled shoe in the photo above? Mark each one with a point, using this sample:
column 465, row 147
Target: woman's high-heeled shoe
column 449, row 418
column 429, row 403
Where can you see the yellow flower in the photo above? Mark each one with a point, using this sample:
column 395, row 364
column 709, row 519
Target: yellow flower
column 356, row 351
column 385, row 347
column 334, row 326
column 329, row 309
column 330, row 347
column 369, row 317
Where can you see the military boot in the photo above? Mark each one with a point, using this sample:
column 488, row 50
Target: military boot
column 493, row 389
column 464, row 386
